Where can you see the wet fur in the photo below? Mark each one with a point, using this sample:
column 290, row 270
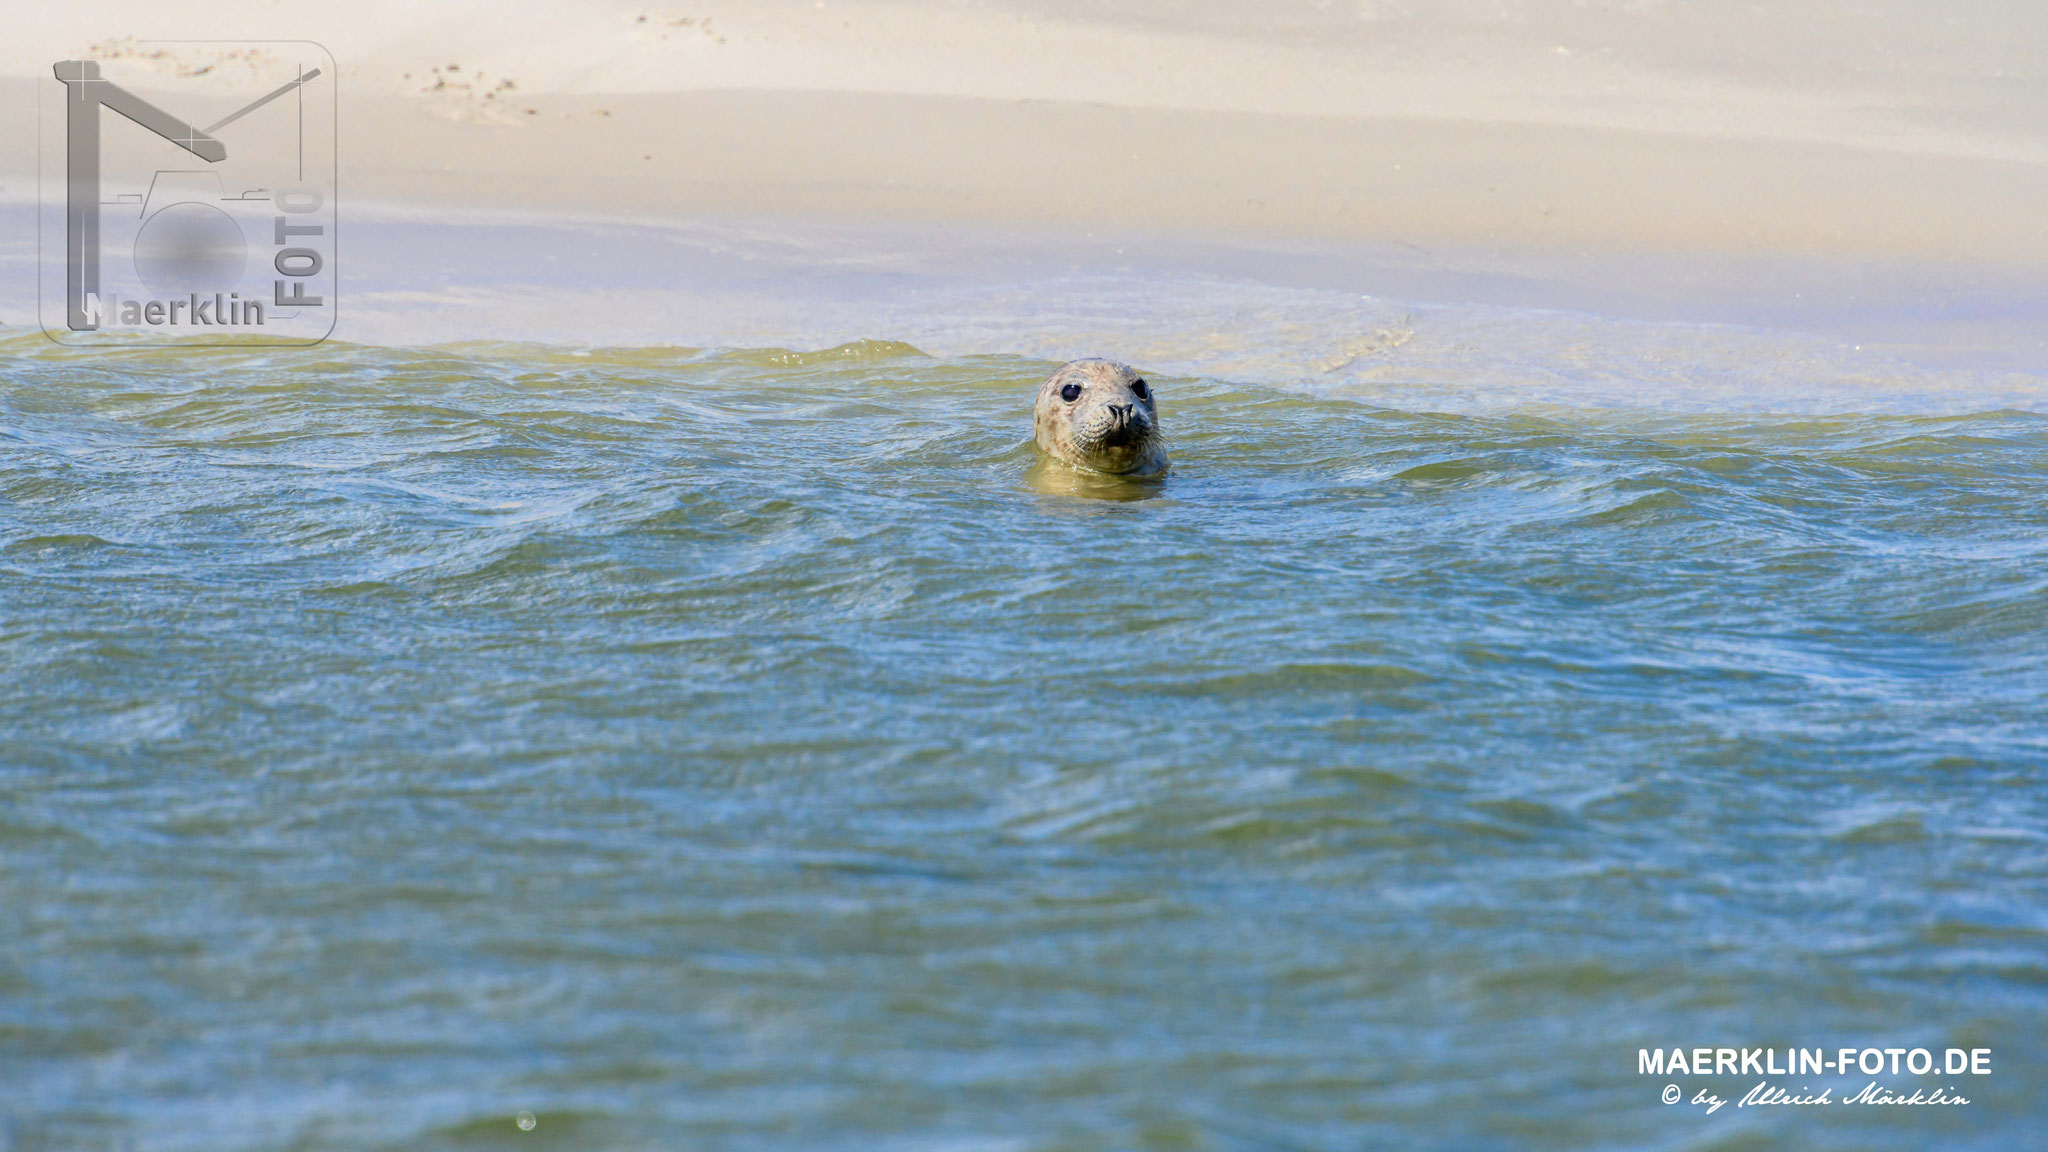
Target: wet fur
column 1108, row 428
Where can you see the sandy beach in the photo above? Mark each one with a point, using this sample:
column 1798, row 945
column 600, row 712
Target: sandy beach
column 1648, row 159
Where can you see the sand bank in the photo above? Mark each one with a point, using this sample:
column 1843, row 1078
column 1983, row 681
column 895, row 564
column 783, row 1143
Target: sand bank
column 1897, row 130
column 1884, row 160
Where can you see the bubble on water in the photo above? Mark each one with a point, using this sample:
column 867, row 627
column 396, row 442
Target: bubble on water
column 190, row 247
column 527, row 1121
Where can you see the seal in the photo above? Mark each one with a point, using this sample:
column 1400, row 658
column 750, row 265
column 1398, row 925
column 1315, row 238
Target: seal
column 1102, row 416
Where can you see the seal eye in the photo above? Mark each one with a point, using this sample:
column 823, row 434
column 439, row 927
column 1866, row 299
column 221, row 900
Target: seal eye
column 1070, row 393
column 1143, row 392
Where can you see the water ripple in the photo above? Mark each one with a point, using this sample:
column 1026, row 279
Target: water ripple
column 737, row 749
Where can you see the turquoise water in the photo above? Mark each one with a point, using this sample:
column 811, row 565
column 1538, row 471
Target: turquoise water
column 752, row 750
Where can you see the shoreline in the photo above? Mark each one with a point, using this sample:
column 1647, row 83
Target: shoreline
column 414, row 273
column 1382, row 324
column 816, row 172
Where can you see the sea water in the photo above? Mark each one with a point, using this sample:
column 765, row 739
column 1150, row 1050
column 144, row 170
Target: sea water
column 754, row 749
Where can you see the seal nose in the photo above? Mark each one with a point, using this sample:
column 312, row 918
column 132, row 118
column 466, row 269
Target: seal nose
column 1127, row 425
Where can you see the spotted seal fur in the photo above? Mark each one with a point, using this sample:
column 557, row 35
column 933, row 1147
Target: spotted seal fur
column 1102, row 416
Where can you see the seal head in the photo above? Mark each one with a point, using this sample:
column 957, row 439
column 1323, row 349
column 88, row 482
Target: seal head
column 1102, row 416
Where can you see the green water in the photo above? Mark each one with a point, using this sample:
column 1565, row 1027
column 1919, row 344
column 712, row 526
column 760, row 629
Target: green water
column 749, row 751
